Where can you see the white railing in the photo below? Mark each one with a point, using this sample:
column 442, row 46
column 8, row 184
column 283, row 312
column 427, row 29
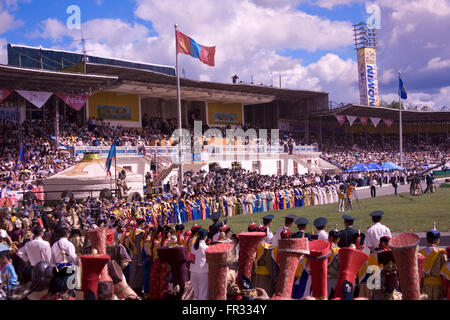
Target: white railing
column 173, row 151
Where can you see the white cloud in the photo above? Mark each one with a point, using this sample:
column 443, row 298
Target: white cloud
column 433, row 100
column 53, row 29
column 337, row 76
column 436, row 64
column 329, row 4
column 277, row 3
column 248, row 34
column 240, row 25
column 3, row 53
column 6, row 21
column 387, row 76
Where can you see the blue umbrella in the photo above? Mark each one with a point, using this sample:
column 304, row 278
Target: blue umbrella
column 358, row 167
column 374, row 166
column 391, row 166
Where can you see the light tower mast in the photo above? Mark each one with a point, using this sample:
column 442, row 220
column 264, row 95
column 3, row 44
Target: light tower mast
column 365, row 46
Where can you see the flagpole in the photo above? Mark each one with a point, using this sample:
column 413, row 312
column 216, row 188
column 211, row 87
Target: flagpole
column 400, row 125
column 180, row 175
column 115, row 166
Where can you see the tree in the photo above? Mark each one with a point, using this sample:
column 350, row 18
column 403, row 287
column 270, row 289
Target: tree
column 394, row 105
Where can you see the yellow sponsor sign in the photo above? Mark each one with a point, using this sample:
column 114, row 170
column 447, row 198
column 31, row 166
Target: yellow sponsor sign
column 110, row 106
column 220, row 113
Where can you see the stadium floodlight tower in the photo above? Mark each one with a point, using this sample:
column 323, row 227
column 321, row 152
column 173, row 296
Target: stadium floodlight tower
column 365, row 46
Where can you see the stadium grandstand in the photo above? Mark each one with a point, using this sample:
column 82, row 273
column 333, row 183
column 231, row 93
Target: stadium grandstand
column 137, row 102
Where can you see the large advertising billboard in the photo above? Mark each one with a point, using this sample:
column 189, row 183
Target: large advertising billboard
column 368, row 77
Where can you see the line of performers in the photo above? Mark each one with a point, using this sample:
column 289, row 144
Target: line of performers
column 171, row 209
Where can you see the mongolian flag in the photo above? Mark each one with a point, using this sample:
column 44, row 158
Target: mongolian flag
column 190, row 47
column 111, row 156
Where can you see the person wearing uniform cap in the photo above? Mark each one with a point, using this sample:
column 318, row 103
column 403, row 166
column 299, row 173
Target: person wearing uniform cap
column 301, row 225
column 376, row 231
column 348, row 232
column 288, row 223
column 435, row 259
column 267, row 222
column 320, row 224
column 214, row 229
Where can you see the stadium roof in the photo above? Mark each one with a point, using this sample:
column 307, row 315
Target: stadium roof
column 386, row 113
column 53, row 81
column 146, row 80
column 165, row 86
column 52, row 59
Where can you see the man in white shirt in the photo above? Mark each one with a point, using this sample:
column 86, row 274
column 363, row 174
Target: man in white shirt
column 320, row 224
column 36, row 250
column 377, row 231
column 63, row 250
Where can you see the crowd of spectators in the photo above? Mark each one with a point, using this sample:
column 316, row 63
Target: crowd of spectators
column 44, row 158
column 415, row 153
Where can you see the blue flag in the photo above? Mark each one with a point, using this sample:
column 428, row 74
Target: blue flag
column 401, row 89
column 111, row 156
column 20, row 159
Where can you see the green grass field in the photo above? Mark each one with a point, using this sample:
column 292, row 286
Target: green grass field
column 403, row 213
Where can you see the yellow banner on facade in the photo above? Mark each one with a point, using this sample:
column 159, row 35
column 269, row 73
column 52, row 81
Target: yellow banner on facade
column 111, row 107
column 220, row 113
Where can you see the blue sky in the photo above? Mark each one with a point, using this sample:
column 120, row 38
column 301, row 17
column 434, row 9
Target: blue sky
column 31, row 14
column 308, row 42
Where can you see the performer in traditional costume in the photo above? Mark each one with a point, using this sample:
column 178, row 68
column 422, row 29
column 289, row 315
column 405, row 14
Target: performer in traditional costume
column 333, row 262
column 137, row 266
column 445, row 273
column 263, row 271
column 435, row 259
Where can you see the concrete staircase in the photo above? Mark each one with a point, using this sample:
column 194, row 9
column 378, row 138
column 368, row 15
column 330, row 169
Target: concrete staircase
column 328, row 167
column 164, row 173
column 312, row 168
